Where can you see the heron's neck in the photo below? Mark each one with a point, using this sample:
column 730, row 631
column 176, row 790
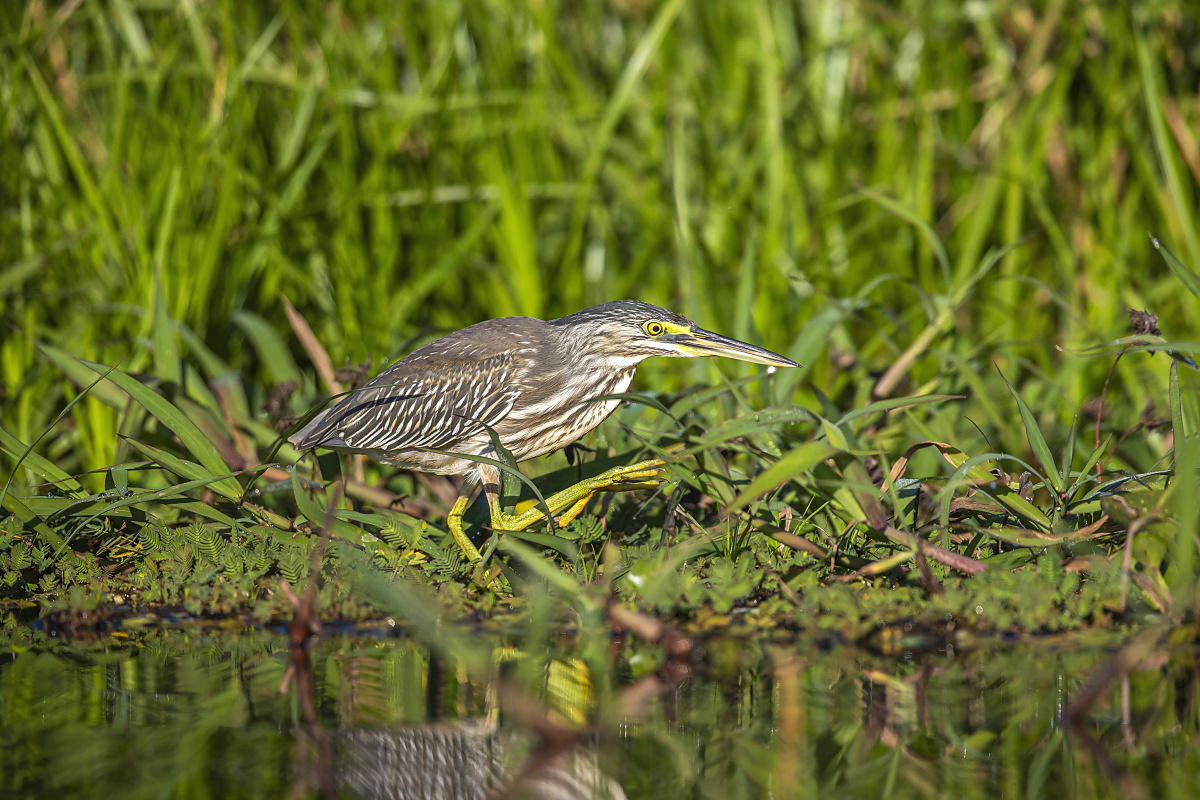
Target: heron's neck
column 594, row 359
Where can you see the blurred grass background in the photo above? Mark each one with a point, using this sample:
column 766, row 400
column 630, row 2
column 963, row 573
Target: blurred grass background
column 897, row 195
column 854, row 184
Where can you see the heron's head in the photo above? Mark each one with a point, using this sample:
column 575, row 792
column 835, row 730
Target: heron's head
column 629, row 332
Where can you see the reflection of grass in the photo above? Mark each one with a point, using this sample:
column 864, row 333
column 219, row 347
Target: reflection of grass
column 897, row 203
column 153, row 712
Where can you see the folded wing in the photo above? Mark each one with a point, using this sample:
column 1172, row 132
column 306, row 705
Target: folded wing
column 412, row 405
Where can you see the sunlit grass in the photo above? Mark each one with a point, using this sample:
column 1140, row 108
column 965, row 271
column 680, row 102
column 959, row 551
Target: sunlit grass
column 916, row 204
column 213, row 212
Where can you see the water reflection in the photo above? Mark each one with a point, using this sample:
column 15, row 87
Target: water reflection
column 465, row 761
column 162, row 713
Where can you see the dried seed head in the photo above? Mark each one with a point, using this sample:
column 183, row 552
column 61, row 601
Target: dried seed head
column 1145, row 323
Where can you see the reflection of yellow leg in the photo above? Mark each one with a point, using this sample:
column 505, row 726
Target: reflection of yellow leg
column 644, row 475
column 454, row 523
column 569, row 694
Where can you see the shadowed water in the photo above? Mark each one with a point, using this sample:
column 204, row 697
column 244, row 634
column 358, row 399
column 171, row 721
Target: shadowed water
column 171, row 713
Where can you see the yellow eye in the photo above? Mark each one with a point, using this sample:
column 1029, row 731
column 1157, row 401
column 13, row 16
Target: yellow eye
column 655, row 328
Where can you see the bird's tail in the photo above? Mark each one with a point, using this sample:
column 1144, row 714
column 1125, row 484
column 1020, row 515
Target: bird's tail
column 319, row 431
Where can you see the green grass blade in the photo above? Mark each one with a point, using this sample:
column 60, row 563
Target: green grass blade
column 12, row 276
column 838, row 438
column 1093, row 459
column 621, row 97
column 987, row 483
column 82, row 376
column 917, row 221
column 167, row 365
column 289, row 150
column 767, row 420
column 272, row 350
column 79, row 168
column 157, row 495
column 802, row 459
column 1189, row 279
column 563, row 546
column 1180, row 202
column 640, row 399
column 539, row 566
column 1068, row 453
column 28, row 517
column 315, row 513
column 50, row 427
column 418, row 607
column 187, row 431
column 225, row 486
column 47, row 469
column 1037, row 442
column 202, row 510
column 881, row 406
column 510, row 485
column 1184, row 488
column 504, row 468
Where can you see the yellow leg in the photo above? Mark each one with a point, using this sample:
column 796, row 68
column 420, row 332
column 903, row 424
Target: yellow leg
column 643, row 475
column 454, row 523
column 565, row 518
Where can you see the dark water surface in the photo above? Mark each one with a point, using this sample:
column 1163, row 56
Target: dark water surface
column 198, row 714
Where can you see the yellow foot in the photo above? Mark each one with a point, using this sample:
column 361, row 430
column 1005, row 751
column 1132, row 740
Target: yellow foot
column 643, row 475
column 455, row 524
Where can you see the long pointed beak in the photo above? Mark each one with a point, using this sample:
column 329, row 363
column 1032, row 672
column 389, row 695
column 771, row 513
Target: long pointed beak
column 706, row 343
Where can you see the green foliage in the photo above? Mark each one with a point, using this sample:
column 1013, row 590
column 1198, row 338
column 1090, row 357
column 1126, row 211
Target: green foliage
column 898, row 201
column 939, row 209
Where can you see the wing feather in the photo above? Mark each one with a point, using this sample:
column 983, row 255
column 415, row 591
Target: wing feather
column 419, row 403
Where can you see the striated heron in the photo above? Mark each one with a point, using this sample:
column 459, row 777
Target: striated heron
column 532, row 382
